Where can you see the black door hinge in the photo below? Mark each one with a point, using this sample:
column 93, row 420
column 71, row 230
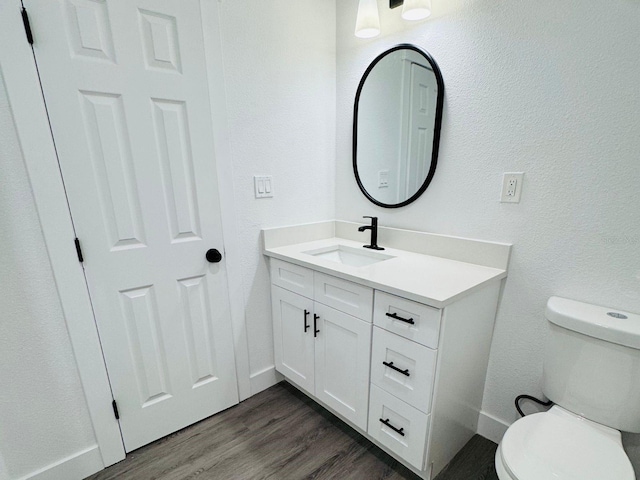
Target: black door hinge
column 79, row 250
column 115, row 410
column 27, row 25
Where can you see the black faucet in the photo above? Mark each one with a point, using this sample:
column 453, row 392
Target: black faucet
column 374, row 233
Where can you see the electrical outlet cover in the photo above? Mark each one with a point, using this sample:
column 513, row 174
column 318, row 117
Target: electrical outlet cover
column 511, row 187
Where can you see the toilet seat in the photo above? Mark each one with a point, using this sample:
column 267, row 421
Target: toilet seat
column 558, row 445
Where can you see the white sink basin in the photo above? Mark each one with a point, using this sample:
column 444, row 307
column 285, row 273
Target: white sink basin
column 348, row 255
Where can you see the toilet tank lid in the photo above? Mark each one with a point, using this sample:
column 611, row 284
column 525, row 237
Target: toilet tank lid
column 599, row 322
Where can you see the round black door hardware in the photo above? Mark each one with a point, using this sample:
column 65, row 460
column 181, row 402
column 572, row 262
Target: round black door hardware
column 213, row 256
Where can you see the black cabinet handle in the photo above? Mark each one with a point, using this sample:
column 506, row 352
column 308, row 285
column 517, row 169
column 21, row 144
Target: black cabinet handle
column 315, row 325
column 396, row 317
column 393, row 367
column 399, row 431
column 306, row 325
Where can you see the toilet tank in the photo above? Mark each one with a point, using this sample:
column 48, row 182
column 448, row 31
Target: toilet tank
column 592, row 363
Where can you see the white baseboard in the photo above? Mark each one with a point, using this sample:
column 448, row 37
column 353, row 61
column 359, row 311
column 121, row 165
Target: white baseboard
column 264, row 379
column 491, row 427
column 74, row 467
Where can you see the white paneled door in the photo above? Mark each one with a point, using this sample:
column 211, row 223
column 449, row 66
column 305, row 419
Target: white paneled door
column 421, row 99
column 126, row 89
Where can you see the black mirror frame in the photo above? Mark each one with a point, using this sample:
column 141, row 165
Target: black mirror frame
column 436, row 130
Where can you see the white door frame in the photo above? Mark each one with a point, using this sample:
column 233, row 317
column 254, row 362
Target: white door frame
column 29, row 111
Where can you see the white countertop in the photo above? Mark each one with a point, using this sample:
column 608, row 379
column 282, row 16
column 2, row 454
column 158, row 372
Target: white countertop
column 432, row 280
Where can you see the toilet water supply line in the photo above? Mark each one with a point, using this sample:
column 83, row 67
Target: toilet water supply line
column 533, row 399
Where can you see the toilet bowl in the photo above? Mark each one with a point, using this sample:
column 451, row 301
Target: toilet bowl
column 590, row 372
column 559, row 445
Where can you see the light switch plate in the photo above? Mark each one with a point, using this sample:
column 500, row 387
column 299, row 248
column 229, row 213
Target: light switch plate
column 263, row 185
column 383, row 178
column 512, row 187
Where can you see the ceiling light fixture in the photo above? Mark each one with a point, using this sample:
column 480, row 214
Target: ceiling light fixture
column 368, row 20
column 416, row 9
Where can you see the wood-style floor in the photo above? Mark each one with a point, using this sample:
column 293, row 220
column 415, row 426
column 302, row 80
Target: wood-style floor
column 281, row 434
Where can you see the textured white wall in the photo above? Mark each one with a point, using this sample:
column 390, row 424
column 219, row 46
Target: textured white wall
column 279, row 64
column 43, row 414
column 549, row 88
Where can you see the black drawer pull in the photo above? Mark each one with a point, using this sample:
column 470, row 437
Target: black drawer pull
column 306, row 325
column 315, row 325
column 396, row 317
column 393, row 367
column 397, row 430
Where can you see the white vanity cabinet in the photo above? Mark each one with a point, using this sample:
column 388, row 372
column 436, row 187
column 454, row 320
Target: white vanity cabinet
column 323, row 350
column 397, row 346
column 380, row 378
column 409, row 376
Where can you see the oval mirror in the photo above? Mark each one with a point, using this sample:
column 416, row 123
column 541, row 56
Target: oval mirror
column 396, row 126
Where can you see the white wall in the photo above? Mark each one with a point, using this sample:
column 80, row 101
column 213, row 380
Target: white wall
column 43, row 414
column 279, row 64
column 548, row 88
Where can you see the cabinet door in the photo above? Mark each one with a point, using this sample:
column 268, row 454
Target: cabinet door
column 342, row 352
column 293, row 337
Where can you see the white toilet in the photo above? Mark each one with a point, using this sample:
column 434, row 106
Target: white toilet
column 592, row 374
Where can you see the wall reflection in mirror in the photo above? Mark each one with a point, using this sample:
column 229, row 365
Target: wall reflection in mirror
column 397, row 118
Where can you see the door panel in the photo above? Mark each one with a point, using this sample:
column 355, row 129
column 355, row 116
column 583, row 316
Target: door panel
column 342, row 358
column 140, row 310
column 422, row 110
column 176, row 167
column 109, row 145
column 127, row 93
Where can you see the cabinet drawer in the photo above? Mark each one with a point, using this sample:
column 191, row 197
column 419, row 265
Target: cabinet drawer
column 411, row 320
column 342, row 295
column 292, row 277
column 405, row 429
column 417, row 364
